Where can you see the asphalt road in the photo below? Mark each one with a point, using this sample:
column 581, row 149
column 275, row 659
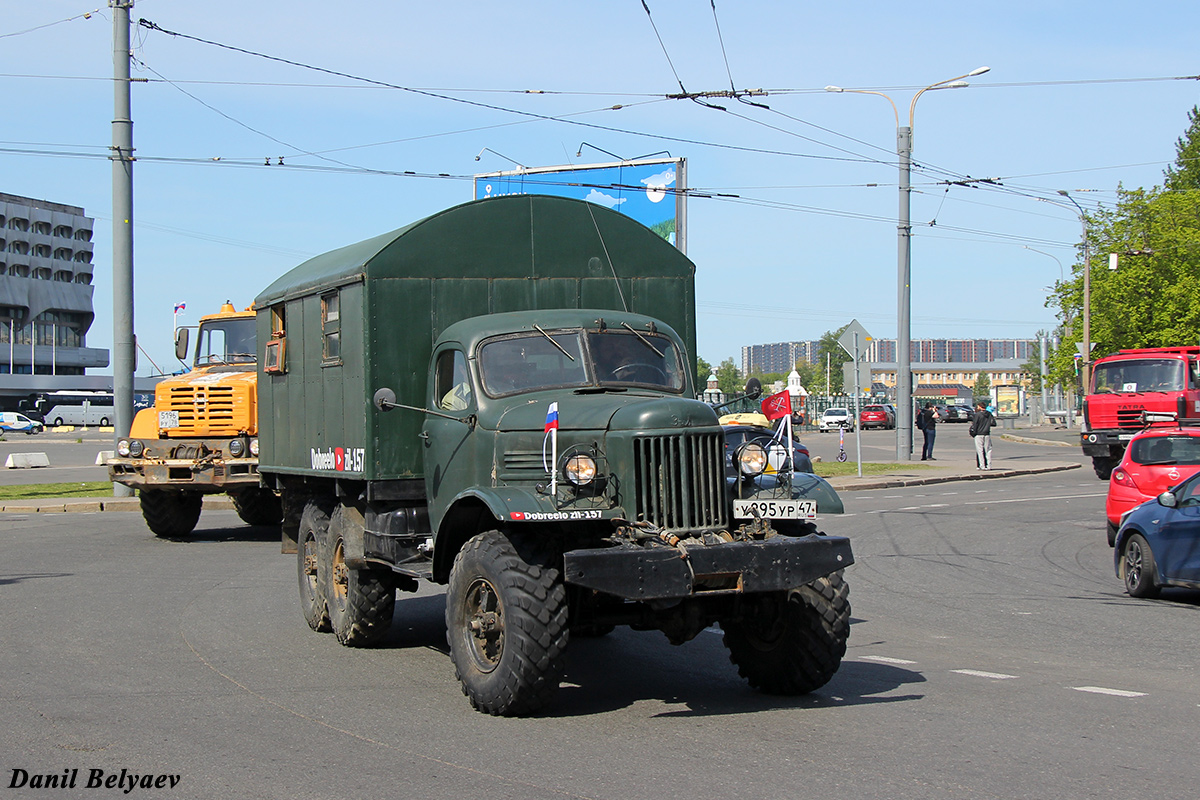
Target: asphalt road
column 72, row 456
column 992, row 655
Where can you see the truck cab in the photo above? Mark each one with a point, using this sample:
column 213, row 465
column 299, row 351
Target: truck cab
column 1128, row 384
column 201, row 435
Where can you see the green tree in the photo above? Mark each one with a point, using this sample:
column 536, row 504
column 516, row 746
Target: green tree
column 983, row 388
column 1185, row 174
column 828, row 347
column 1033, row 367
column 1149, row 301
column 728, row 377
column 812, row 377
column 703, row 370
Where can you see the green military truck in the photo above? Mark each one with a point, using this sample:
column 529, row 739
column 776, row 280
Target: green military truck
column 500, row 398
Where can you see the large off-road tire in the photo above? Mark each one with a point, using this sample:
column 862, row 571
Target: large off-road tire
column 1137, row 567
column 361, row 601
column 1103, row 466
column 792, row 642
column 258, row 506
column 314, row 529
column 170, row 513
column 506, row 622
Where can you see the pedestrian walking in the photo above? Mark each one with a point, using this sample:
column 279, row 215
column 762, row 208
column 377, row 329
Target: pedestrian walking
column 981, row 432
column 927, row 422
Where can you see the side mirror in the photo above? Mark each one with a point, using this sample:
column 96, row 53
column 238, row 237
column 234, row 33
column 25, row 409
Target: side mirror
column 1168, row 499
column 384, row 399
column 181, row 344
column 753, row 388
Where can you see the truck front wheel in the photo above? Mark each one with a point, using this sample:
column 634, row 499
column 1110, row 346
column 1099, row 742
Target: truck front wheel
column 1104, row 465
column 258, row 507
column 170, row 513
column 792, row 642
column 361, row 601
column 506, row 621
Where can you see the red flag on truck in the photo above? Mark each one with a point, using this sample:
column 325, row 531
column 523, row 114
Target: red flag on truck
column 777, row 405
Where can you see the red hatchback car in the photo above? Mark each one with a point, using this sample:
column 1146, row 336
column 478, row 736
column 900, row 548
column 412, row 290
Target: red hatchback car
column 1155, row 461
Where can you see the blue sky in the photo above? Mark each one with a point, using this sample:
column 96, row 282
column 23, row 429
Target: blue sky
column 804, row 238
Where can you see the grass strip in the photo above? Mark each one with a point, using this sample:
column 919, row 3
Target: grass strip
column 40, row 491
column 839, row 469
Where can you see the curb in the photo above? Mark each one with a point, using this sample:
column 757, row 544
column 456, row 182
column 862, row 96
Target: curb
column 69, row 505
column 1012, row 437
column 883, row 482
column 225, row 503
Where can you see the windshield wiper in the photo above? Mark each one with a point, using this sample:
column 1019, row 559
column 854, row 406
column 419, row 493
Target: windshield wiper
column 550, row 339
column 643, row 339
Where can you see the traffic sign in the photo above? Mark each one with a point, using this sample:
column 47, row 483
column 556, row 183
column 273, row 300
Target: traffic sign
column 846, row 340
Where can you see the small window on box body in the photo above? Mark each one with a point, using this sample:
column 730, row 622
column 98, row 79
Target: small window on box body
column 275, row 351
column 331, row 327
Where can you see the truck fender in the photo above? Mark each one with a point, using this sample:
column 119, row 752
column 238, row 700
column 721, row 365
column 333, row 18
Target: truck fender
column 476, row 510
column 814, row 487
column 145, row 424
column 347, row 521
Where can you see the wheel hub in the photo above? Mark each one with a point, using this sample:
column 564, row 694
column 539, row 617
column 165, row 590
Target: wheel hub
column 485, row 625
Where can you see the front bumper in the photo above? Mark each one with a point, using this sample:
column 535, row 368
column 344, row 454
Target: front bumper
column 634, row 572
column 1105, row 443
column 210, row 476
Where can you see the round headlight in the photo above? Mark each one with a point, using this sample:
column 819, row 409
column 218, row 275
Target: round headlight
column 254, row 447
column 236, row 448
column 752, row 459
column 580, row 469
column 136, row 448
column 1092, row 438
column 123, row 448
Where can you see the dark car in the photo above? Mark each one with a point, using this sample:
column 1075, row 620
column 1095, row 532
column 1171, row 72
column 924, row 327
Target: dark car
column 736, row 435
column 1158, row 543
column 877, row 416
column 957, row 413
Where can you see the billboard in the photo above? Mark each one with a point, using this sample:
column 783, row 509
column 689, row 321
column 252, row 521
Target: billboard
column 651, row 191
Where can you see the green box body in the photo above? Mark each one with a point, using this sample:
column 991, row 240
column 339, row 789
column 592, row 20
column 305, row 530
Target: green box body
column 397, row 292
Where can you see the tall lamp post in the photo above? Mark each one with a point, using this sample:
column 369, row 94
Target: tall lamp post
column 1085, row 356
column 904, row 145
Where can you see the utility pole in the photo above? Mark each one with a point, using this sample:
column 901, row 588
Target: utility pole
column 122, row 216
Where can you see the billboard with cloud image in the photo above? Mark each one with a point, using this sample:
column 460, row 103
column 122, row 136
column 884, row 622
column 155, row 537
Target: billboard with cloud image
column 650, row 191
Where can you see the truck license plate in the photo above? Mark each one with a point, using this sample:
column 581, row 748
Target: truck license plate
column 775, row 509
column 168, row 419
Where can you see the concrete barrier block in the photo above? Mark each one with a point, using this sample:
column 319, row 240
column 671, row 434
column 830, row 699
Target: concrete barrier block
column 103, row 456
column 26, row 460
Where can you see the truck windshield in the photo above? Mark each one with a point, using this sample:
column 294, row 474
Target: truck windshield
column 226, row 341
column 1141, row 375
column 559, row 359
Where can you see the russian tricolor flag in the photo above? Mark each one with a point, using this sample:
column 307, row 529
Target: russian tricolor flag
column 551, row 431
column 180, row 307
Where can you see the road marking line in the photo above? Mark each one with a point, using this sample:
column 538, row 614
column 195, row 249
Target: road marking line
column 1112, row 692
column 886, row 660
column 999, row 676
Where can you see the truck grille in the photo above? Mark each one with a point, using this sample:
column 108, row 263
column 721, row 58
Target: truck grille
column 205, row 410
column 1130, row 417
column 679, row 481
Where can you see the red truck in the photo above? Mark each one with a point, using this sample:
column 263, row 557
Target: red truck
column 1165, row 380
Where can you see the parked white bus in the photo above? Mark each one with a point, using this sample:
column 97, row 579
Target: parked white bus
column 77, row 408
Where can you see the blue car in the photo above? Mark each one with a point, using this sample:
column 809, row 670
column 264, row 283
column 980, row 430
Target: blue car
column 1158, row 543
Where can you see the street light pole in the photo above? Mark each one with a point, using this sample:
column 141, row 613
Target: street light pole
column 904, row 146
column 1085, row 357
